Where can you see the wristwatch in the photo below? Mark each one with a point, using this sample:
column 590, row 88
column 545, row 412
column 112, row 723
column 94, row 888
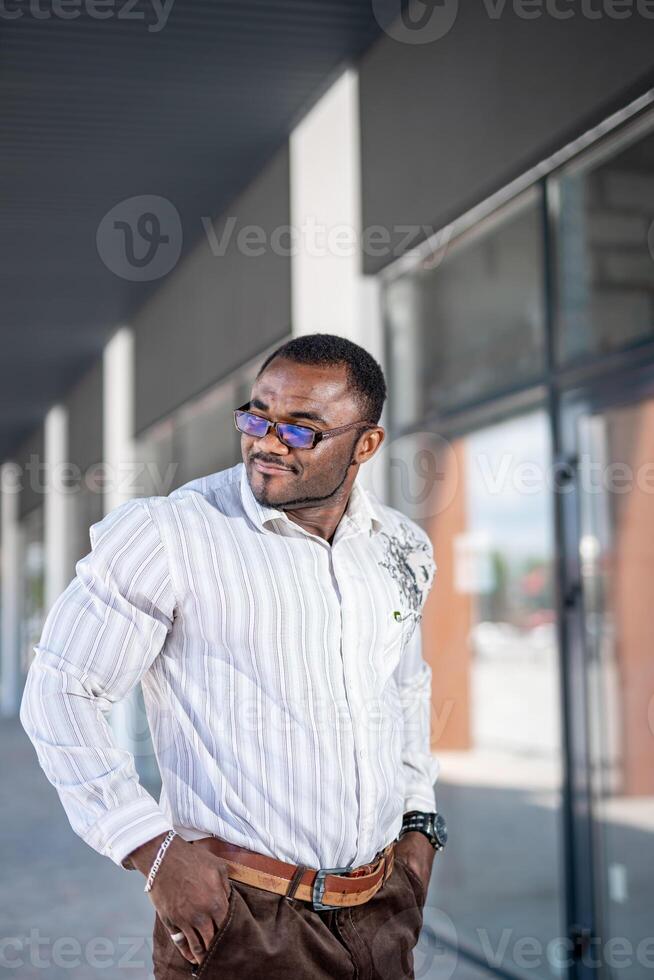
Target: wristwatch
column 432, row 825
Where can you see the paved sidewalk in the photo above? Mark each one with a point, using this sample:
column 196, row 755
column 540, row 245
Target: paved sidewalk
column 66, row 913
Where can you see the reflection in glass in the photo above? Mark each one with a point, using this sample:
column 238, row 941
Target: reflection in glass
column 489, row 635
column 605, row 251
column 472, row 324
column 617, row 563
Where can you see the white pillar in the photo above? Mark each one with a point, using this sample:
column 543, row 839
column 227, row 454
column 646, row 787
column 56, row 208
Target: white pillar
column 118, row 452
column 11, row 583
column 56, row 506
column 329, row 292
column 118, row 417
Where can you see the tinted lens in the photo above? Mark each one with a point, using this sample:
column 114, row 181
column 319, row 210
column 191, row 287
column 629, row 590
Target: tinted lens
column 251, row 425
column 297, row 436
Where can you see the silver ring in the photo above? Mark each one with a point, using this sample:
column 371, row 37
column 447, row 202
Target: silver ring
column 177, row 937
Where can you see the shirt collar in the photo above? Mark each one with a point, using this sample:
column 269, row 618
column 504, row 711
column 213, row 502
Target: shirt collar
column 360, row 508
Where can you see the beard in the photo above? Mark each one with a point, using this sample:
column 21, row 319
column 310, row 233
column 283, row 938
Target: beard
column 318, row 489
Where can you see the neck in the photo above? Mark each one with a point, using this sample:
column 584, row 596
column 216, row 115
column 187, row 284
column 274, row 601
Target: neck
column 321, row 521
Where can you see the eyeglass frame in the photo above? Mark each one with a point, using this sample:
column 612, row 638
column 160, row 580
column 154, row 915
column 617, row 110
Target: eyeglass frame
column 318, row 434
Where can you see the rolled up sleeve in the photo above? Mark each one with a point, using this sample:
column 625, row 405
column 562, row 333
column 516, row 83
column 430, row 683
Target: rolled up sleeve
column 99, row 638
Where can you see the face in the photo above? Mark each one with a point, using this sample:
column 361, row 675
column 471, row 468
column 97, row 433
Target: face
column 319, row 397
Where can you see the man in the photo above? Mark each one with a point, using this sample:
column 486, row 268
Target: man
column 271, row 611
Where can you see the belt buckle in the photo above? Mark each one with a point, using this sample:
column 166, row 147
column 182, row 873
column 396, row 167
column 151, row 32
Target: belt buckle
column 317, row 903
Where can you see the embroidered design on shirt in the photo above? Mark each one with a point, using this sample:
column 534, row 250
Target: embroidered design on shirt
column 407, row 559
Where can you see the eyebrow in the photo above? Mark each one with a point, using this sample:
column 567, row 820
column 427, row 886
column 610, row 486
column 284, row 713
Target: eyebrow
column 312, row 416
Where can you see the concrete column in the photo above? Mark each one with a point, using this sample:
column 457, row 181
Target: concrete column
column 56, row 506
column 118, row 418
column 126, row 717
column 10, row 676
column 329, row 292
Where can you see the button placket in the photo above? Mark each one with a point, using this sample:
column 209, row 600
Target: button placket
column 356, row 707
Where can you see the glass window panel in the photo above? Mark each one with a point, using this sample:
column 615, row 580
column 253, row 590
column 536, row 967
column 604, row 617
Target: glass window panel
column 489, row 634
column 474, row 323
column 604, row 245
column 617, row 563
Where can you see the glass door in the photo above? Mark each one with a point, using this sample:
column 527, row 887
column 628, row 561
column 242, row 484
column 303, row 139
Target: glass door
column 615, row 540
column 495, row 906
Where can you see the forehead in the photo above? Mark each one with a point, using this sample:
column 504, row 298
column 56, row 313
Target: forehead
column 315, row 388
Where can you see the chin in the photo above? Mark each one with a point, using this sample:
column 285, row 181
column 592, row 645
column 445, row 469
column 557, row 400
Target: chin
column 262, row 491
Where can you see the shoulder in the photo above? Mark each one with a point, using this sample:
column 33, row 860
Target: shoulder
column 397, row 525
column 406, row 552
column 220, row 490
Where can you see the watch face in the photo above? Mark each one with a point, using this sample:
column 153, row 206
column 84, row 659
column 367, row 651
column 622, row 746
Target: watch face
column 440, row 829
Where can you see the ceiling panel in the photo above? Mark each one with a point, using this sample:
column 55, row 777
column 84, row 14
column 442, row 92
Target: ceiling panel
column 94, row 111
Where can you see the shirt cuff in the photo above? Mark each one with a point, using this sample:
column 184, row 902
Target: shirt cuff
column 122, row 830
column 419, row 792
column 424, row 803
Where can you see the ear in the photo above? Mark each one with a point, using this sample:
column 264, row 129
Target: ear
column 369, row 443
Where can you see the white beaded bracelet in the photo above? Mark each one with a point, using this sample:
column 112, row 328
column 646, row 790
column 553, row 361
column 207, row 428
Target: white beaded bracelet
column 159, row 858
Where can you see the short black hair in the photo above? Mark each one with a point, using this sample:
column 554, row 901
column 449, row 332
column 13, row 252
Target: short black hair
column 364, row 373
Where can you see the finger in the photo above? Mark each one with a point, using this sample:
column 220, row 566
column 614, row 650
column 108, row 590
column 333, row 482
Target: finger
column 206, row 927
column 220, row 909
column 195, row 943
column 182, row 945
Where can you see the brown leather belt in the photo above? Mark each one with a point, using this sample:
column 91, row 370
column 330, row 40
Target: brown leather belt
column 325, row 888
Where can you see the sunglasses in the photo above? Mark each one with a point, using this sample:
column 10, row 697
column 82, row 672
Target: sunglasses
column 294, row 436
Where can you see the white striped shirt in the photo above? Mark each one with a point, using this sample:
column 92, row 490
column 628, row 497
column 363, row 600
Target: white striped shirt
column 283, row 677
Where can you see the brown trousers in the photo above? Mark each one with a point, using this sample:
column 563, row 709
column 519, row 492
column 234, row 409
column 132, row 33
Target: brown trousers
column 271, row 937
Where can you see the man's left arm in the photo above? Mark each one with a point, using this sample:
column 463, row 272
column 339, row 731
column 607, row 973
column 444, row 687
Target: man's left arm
column 413, row 676
column 421, row 768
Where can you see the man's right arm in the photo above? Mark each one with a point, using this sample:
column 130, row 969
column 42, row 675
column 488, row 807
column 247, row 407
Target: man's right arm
column 100, row 636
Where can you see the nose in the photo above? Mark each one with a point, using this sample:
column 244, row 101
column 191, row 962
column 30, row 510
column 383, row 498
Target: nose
column 271, row 443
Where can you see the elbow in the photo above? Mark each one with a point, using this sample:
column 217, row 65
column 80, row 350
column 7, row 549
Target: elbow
column 26, row 710
column 24, row 707
column 23, row 711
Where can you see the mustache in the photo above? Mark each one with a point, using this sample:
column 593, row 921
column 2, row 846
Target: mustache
column 271, row 462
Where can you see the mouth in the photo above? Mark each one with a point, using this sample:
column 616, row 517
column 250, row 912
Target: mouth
column 270, row 467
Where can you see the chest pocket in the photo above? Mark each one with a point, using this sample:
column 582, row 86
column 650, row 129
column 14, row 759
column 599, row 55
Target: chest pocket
column 401, row 625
